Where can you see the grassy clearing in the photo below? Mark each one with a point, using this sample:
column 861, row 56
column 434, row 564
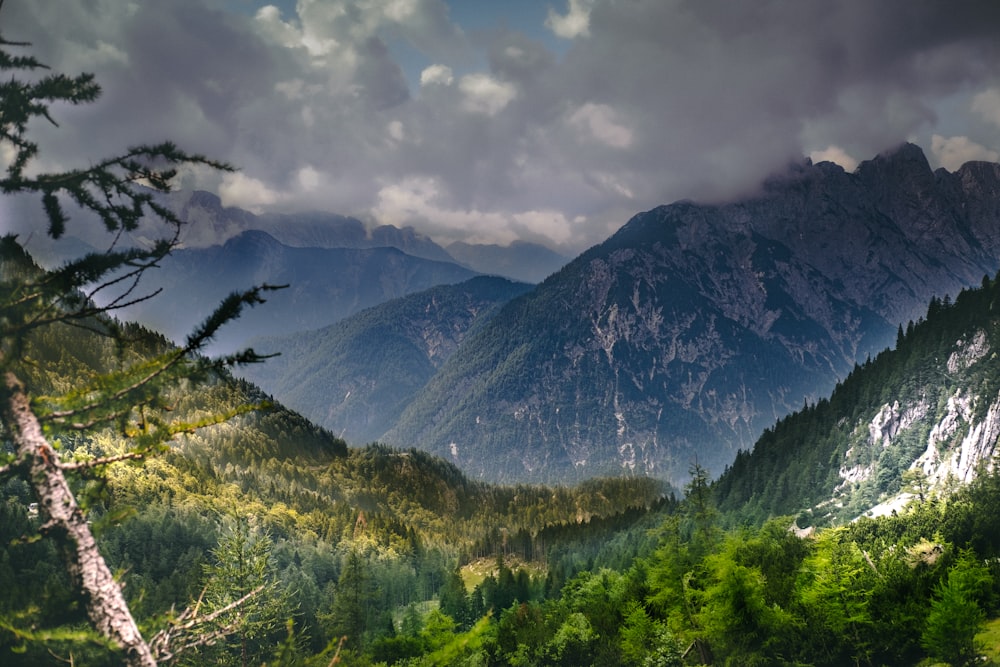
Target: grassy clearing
column 989, row 638
column 476, row 571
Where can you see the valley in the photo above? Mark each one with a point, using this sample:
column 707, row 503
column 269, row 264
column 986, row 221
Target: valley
column 517, row 402
column 416, row 561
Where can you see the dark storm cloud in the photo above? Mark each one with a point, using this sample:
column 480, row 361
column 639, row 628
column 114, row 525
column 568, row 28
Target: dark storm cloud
column 719, row 91
column 653, row 100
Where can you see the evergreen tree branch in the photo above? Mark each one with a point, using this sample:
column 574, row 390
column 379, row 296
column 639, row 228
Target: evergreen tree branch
column 230, row 309
column 93, row 463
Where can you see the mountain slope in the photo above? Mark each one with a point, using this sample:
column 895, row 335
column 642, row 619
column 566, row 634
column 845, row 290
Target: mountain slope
column 325, row 285
column 919, row 418
column 356, row 376
column 694, row 327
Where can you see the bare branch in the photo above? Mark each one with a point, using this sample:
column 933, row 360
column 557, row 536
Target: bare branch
column 336, row 656
column 185, row 633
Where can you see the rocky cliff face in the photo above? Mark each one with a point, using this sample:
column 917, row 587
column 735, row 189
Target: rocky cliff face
column 956, row 438
column 695, row 327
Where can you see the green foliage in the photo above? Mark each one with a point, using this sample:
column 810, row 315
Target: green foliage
column 242, row 567
column 956, row 616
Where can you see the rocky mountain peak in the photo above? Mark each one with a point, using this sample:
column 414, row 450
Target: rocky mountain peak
column 898, row 175
column 695, row 326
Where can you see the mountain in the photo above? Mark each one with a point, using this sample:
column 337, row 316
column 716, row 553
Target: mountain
column 213, row 223
column 355, row 377
column 916, row 420
column 520, row 260
column 324, row 285
column 695, row 327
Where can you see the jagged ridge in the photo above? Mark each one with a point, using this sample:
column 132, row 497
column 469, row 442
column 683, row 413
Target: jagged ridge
column 694, row 327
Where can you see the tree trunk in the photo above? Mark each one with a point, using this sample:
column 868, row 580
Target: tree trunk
column 63, row 520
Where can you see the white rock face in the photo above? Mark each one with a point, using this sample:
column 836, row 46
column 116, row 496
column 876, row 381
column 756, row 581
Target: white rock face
column 891, row 420
column 968, row 352
column 945, row 462
column 961, row 437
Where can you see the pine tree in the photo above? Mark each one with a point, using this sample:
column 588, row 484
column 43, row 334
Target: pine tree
column 243, row 569
column 349, row 614
column 955, row 615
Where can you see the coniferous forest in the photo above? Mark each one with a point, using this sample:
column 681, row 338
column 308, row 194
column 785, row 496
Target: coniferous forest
column 239, row 533
column 376, row 556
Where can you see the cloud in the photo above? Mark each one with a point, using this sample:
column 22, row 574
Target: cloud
column 484, row 94
column 396, row 130
column 436, row 74
column 987, row 105
column 953, row 152
column 391, row 109
column 574, row 23
column 424, row 201
column 238, row 189
column 600, row 122
column 834, row 154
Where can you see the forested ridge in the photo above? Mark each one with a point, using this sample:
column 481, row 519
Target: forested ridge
column 941, row 381
column 414, row 563
column 405, row 518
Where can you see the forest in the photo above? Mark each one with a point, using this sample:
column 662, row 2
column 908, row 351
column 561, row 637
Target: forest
column 376, row 556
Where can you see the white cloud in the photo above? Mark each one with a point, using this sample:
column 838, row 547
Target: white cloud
column 422, row 201
column 238, row 189
column 953, row 152
column 987, row 105
column 308, row 179
column 484, row 94
column 834, row 154
column 269, row 21
column 436, row 74
column 395, row 130
column 574, row 23
column 601, row 122
column 549, row 223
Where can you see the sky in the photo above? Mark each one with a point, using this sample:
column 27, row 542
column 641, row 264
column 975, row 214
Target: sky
column 490, row 121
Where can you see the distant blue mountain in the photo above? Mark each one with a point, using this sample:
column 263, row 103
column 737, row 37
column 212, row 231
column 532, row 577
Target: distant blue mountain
column 324, row 285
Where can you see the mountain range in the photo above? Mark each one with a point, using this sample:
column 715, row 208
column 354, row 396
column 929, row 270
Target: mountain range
column 211, row 223
column 359, row 374
column 323, row 285
column 694, row 327
column 917, row 423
